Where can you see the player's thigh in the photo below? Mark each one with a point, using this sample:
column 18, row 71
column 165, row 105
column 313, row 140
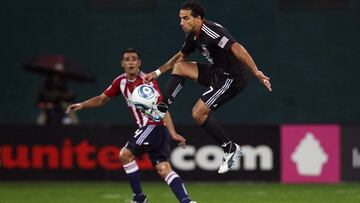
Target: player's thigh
column 153, row 139
column 221, row 91
column 137, row 144
column 160, row 145
column 187, row 69
column 204, row 74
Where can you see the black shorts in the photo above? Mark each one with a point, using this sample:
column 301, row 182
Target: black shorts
column 221, row 87
column 153, row 139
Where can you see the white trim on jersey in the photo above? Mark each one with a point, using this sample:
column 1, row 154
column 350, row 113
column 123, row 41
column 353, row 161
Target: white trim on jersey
column 220, row 91
column 122, row 86
column 135, row 112
column 209, row 32
column 144, row 135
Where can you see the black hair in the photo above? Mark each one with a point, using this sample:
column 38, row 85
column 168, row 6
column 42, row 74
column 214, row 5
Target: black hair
column 130, row 50
column 196, row 8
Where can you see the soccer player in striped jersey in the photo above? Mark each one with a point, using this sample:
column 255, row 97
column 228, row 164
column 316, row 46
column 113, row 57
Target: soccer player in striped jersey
column 151, row 137
column 223, row 75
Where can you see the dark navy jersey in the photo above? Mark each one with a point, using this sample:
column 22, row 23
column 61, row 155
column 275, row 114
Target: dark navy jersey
column 214, row 43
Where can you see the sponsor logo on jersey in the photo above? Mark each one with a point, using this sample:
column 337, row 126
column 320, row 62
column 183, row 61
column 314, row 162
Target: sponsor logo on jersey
column 206, row 54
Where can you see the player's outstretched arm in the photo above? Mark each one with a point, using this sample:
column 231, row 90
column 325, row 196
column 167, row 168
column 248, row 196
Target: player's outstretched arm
column 242, row 55
column 90, row 103
column 165, row 67
column 170, row 126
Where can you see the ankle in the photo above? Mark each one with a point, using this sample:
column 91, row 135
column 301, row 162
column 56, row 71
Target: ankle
column 228, row 147
column 162, row 107
column 139, row 198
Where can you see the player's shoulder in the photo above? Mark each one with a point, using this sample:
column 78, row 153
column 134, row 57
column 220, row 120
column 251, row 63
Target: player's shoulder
column 213, row 24
column 120, row 77
column 212, row 29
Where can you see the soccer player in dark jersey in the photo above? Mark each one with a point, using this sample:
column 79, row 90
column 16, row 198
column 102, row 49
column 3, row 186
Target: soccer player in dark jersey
column 224, row 75
column 151, row 137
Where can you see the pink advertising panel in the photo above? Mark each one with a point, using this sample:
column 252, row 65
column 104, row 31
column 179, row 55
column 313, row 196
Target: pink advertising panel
column 310, row 153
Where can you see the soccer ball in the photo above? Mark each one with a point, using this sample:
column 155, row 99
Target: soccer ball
column 144, row 97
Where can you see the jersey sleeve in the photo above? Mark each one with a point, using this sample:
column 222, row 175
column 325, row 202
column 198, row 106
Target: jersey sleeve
column 156, row 86
column 114, row 89
column 189, row 44
column 223, row 38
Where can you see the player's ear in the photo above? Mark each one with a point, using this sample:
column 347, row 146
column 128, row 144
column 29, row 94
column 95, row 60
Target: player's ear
column 198, row 19
column 122, row 63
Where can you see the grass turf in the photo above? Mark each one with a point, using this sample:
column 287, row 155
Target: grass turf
column 158, row 192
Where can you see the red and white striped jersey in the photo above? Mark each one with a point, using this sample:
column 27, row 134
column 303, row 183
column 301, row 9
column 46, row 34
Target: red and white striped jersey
column 124, row 86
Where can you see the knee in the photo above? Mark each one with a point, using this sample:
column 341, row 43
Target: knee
column 163, row 169
column 126, row 156
column 198, row 115
column 179, row 68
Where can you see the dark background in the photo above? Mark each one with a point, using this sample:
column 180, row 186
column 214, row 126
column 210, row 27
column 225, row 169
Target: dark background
column 310, row 52
column 350, row 140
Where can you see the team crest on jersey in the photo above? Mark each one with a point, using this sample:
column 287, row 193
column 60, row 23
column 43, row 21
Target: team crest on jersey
column 223, row 42
column 206, row 53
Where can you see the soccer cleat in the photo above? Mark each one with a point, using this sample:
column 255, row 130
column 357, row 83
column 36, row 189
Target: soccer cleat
column 156, row 114
column 192, row 202
column 229, row 159
column 133, row 201
column 140, row 198
column 146, row 112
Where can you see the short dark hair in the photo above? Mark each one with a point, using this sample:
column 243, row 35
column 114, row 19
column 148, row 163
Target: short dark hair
column 196, row 8
column 130, row 50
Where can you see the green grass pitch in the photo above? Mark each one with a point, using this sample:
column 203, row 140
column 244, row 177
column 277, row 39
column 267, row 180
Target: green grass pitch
column 158, row 192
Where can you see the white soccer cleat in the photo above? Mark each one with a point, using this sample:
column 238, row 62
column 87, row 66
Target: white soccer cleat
column 156, row 114
column 192, row 202
column 229, row 159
